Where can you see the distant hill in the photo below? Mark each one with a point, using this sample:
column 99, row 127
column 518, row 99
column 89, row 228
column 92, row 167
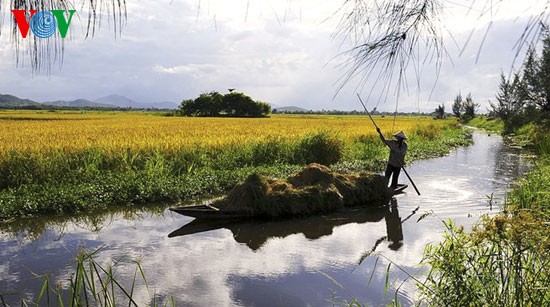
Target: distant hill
column 125, row 102
column 164, row 105
column 111, row 101
column 8, row 101
column 79, row 103
column 117, row 100
column 291, row 109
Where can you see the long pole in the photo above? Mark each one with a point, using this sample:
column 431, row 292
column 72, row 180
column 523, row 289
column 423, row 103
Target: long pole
column 402, row 166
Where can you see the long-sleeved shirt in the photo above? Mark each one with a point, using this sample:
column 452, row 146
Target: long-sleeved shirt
column 397, row 153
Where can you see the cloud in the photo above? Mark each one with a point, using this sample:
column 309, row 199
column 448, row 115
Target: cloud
column 196, row 70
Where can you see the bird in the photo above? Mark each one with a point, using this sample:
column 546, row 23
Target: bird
column 231, row 90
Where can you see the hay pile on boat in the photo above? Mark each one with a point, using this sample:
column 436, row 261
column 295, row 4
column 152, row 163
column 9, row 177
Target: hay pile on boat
column 315, row 189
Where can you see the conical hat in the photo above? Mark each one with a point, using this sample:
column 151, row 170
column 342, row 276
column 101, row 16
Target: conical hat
column 400, row 134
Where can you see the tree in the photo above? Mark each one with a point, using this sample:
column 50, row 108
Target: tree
column 458, row 106
column 470, row 107
column 527, row 96
column 440, row 112
column 231, row 104
column 187, row 107
column 264, row 108
column 536, row 72
column 207, row 104
column 509, row 98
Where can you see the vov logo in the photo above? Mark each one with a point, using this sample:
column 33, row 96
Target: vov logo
column 43, row 24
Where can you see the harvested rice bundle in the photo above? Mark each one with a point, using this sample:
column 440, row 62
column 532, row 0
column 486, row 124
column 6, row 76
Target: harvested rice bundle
column 314, row 190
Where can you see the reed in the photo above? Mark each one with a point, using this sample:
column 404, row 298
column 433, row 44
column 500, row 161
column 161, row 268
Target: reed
column 93, row 284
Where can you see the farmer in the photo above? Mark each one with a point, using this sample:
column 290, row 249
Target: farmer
column 398, row 149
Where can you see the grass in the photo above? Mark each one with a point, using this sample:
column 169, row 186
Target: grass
column 489, row 124
column 67, row 162
column 93, row 284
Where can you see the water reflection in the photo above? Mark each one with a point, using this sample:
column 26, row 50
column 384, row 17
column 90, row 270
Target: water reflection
column 510, row 162
column 394, row 229
column 33, row 228
column 255, row 234
column 393, row 226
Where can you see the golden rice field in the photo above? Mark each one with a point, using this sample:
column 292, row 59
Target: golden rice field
column 42, row 131
column 67, row 162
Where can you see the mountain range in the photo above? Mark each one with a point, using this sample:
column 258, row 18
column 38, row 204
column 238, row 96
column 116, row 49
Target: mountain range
column 111, row 101
column 7, row 101
column 125, row 102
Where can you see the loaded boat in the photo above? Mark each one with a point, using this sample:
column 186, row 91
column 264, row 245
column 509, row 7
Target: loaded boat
column 314, row 190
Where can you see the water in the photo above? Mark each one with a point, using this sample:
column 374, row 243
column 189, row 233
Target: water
column 307, row 262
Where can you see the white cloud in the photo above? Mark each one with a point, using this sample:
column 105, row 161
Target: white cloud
column 196, row 70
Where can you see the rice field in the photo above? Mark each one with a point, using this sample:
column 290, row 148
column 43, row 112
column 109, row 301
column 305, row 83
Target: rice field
column 43, row 132
column 63, row 162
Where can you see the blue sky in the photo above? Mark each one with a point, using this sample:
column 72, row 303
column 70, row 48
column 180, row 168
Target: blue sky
column 281, row 52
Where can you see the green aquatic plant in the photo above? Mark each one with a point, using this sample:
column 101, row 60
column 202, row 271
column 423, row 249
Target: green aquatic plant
column 93, row 284
column 501, row 262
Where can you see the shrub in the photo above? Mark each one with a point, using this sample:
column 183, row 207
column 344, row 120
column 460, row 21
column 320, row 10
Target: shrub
column 321, row 148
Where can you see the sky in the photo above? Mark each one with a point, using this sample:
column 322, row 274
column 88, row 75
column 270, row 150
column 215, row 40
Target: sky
column 280, row 52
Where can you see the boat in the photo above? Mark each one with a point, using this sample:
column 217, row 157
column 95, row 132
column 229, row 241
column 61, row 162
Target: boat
column 255, row 233
column 399, row 189
column 208, row 211
column 314, row 190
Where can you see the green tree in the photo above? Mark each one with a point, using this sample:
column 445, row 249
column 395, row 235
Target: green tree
column 187, row 107
column 231, row 104
column 264, row 108
column 458, row 106
column 239, row 104
column 470, row 107
column 536, row 72
column 509, row 98
column 207, row 104
column 439, row 112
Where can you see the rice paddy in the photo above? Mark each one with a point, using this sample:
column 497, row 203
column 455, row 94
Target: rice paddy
column 43, row 132
column 62, row 162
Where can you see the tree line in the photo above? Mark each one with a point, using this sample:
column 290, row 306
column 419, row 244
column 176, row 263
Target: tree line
column 525, row 96
column 463, row 109
column 232, row 104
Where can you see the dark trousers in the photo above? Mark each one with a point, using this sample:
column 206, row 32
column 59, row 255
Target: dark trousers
column 392, row 171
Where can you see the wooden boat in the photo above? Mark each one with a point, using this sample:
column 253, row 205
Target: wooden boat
column 399, row 189
column 208, row 212
column 254, row 233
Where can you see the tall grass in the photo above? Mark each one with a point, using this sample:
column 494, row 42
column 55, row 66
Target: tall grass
column 93, row 284
column 501, row 263
column 490, row 124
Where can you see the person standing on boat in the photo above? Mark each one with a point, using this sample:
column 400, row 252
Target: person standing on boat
column 398, row 149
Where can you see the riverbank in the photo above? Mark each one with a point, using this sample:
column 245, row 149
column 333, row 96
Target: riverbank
column 503, row 260
column 61, row 163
